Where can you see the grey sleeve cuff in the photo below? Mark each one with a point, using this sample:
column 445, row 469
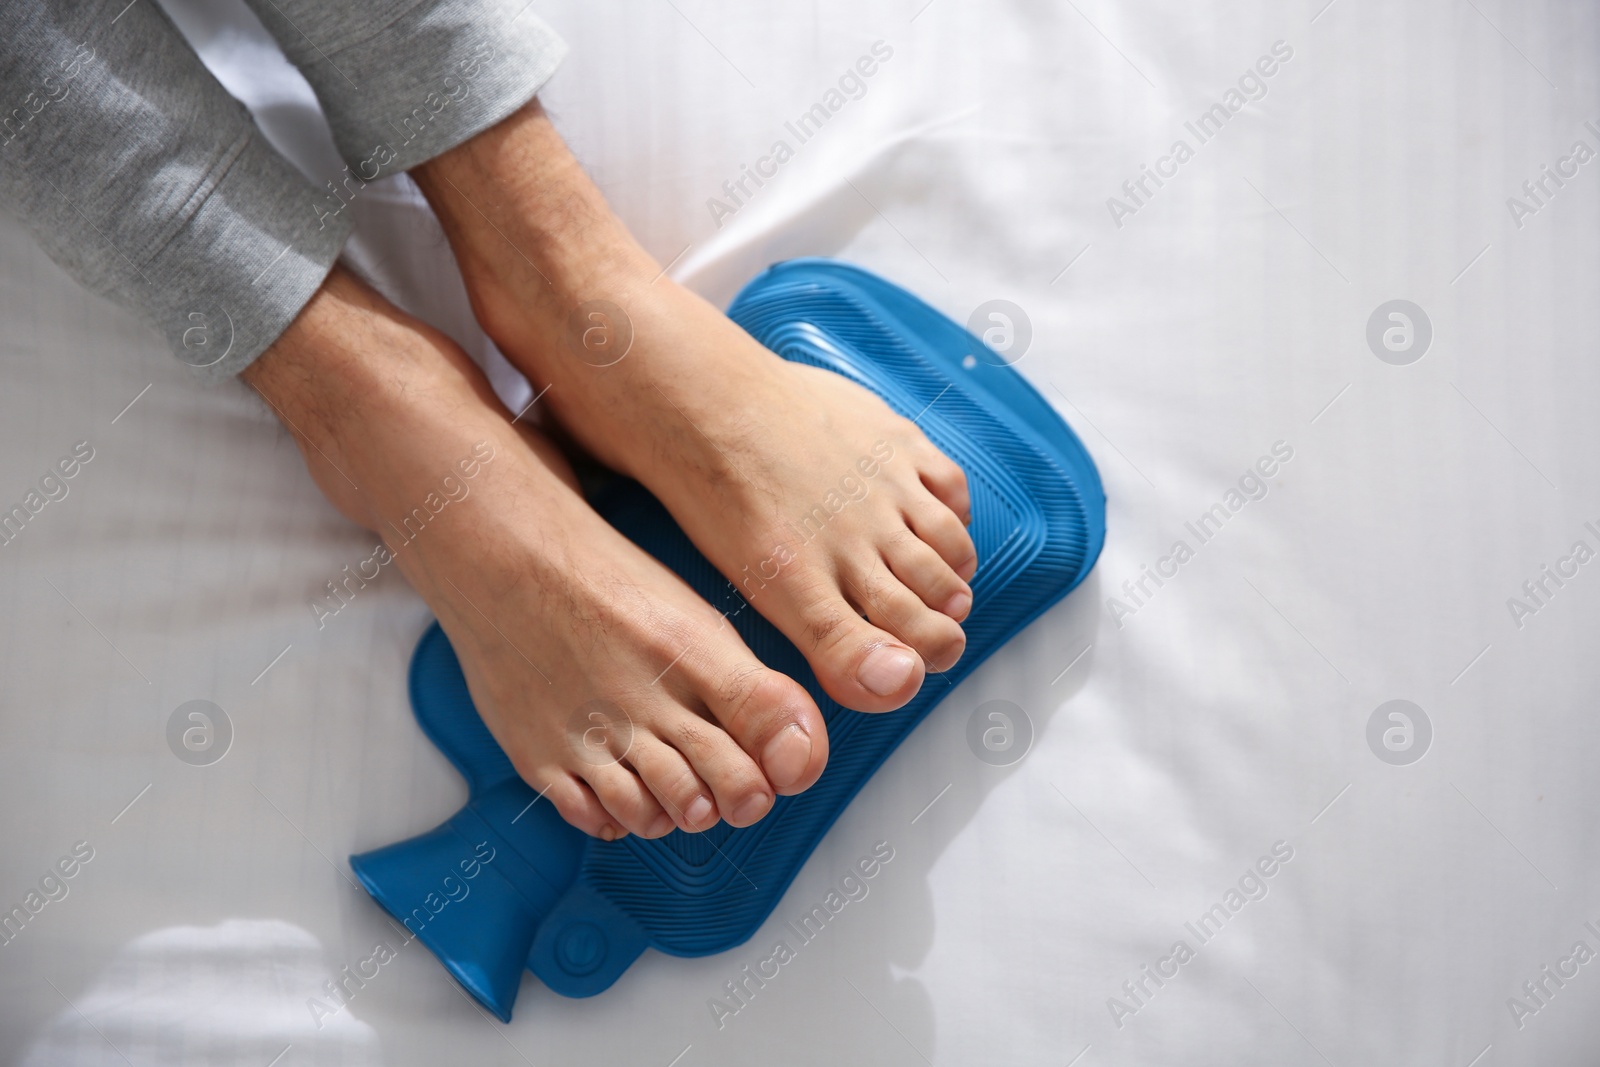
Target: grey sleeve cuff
column 403, row 80
column 149, row 184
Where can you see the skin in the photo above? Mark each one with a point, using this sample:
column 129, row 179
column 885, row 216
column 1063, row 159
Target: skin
column 618, row 692
column 547, row 606
column 738, row 443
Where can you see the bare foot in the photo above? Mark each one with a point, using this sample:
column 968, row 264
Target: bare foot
column 615, row 689
column 836, row 518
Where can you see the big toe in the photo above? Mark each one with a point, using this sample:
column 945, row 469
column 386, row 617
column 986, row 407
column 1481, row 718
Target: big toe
column 775, row 721
column 862, row 666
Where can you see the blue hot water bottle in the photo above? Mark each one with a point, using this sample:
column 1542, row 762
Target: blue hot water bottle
column 506, row 884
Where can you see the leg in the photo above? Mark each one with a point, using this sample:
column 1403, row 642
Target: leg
column 836, row 518
column 548, row 607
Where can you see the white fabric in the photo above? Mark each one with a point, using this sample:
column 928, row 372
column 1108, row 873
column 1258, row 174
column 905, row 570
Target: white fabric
column 1227, row 313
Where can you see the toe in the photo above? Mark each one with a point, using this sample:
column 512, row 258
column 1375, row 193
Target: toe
column 934, row 522
column 925, row 573
column 626, row 798
column 946, row 481
column 860, row 665
column 739, row 790
column 577, row 803
column 774, row 719
column 936, row 637
column 668, row 776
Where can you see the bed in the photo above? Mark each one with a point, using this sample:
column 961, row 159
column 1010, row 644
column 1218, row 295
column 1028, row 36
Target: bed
column 1300, row 774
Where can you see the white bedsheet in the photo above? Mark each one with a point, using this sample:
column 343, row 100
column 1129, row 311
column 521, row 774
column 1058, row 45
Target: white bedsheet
column 1175, row 744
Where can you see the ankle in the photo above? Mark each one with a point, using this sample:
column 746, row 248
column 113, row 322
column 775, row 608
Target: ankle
column 351, row 378
column 519, row 208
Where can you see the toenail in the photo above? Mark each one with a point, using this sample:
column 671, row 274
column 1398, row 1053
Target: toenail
column 663, row 825
column 886, row 670
column 751, row 808
column 698, row 811
column 787, row 756
column 957, row 606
